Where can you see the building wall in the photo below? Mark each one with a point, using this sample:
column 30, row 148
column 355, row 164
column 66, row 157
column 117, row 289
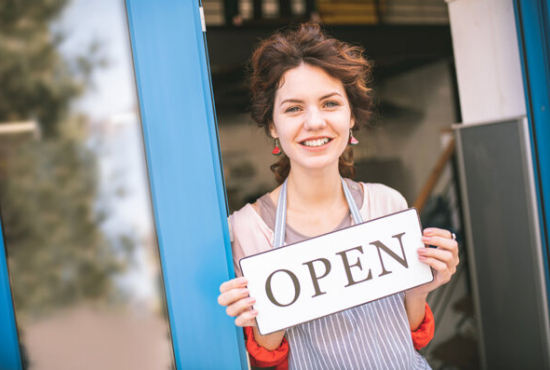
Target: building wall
column 487, row 59
column 414, row 137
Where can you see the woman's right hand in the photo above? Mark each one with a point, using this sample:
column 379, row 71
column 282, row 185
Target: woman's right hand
column 234, row 296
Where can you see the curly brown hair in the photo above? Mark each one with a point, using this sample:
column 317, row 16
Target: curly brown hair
column 307, row 43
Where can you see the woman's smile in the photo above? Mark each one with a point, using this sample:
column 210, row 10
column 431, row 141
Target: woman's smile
column 316, row 144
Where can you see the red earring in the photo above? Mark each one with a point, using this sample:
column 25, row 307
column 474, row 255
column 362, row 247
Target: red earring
column 352, row 139
column 276, row 151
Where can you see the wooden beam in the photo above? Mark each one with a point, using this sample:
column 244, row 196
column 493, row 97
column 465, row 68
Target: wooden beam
column 435, row 175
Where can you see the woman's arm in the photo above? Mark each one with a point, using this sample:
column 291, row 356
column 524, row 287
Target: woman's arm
column 443, row 260
column 234, row 295
column 261, row 357
column 415, row 305
column 270, row 341
column 425, row 332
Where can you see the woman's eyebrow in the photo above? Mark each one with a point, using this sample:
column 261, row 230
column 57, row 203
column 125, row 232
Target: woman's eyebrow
column 329, row 95
column 291, row 101
column 300, row 101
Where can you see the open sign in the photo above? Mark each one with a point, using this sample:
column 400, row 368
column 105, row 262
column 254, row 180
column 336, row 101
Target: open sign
column 336, row 271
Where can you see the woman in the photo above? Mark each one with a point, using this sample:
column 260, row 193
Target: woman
column 309, row 93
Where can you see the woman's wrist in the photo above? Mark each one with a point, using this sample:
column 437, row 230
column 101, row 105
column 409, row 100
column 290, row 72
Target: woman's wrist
column 418, row 298
column 425, row 332
column 270, row 341
column 262, row 357
column 415, row 305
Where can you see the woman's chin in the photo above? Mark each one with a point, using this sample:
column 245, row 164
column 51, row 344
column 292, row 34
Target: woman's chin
column 315, row 164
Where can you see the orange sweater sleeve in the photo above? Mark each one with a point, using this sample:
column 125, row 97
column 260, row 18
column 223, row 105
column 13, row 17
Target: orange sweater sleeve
column 261, row 357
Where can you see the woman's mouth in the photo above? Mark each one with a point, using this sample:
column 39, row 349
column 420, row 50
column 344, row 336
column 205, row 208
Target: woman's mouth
column 315, row 142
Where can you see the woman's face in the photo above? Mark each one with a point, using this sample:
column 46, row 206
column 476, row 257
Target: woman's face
column 311, row 118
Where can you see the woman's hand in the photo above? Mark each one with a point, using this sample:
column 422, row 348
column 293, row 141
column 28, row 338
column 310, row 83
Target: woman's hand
column 443, row 259
column 234, row 296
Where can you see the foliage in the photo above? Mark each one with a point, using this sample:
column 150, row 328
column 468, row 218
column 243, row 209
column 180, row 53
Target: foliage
column 58, row 255
column 36, row 81
column 57, row 252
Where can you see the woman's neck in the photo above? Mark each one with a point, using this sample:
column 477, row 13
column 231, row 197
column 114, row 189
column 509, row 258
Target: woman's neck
column 315, row 190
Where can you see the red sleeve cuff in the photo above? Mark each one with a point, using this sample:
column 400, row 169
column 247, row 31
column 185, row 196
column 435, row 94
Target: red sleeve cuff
column 425, row 332
column 261, row 357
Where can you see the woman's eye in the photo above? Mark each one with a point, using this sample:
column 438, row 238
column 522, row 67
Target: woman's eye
column 292, row 109
column 331, row 104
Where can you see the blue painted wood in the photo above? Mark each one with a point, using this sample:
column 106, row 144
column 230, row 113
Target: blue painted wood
column 10, row 358
column 533, row 23
column 187, row 190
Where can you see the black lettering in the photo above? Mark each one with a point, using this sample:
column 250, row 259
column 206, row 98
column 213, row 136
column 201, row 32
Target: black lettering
column 270, row 292
column 403, row 261
column 314, row 277
column 348, row 267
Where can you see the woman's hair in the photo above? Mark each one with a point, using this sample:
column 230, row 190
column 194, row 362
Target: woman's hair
column 308, row 44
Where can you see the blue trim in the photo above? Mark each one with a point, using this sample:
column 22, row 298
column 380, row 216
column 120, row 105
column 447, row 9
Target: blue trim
column 220, row 181
column 532, row 19
column 187, row 188
column 10, row 358
column 222, row 199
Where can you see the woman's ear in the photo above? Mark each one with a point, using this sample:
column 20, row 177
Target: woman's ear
column 272, row 130
column 351, row 122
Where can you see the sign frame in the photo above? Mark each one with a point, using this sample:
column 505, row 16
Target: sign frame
column 244, row 262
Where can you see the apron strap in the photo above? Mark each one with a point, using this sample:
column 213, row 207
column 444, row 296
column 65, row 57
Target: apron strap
column 280, row 217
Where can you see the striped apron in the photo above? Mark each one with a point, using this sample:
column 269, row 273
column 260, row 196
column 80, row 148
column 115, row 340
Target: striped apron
column 375, row 335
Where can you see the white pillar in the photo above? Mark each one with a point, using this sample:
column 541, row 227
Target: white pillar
column 487, row 59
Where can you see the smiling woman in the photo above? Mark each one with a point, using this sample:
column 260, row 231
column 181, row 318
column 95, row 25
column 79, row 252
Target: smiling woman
column 309, row 93
column 343, row 64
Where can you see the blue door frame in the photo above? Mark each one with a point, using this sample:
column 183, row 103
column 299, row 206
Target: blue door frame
column 185, row 174
column 10, row 358
column 533, row 24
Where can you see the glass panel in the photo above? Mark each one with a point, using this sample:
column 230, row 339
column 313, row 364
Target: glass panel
column 75, row 206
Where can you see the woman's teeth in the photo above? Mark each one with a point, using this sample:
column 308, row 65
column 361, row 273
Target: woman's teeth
column 317, row 142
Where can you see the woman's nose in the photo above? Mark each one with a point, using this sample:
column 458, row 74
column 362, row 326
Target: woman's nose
column 315, row 120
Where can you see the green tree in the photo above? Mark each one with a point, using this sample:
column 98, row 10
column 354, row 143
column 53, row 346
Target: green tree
column 57, row 251
column 58, row 254
column 36, row 81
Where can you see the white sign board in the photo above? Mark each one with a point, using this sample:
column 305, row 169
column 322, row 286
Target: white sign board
column 336, row 271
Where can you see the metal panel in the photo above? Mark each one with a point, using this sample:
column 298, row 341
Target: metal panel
column 184, row 169
column 502, row 227
column 9, row 346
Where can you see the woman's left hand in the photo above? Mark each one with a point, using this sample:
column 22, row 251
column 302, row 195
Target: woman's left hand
column 443, row 259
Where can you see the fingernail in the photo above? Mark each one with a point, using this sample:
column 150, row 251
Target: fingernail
column 421, row 250
column 426, row 238
column 244, row 292
column 421, row 258
column 428, row 231
column 254, row 312
column 251, row 300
